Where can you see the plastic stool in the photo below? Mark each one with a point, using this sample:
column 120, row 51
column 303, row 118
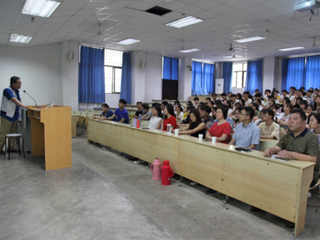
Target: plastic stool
column 7, row 149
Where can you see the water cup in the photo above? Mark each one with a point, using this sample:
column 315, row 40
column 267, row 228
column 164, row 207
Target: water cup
column 169, row 128
column 214, row 140
column 200, row 137
column 176, row 132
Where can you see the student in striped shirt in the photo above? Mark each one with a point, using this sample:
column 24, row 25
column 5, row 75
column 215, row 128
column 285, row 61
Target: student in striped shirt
column 299, row 143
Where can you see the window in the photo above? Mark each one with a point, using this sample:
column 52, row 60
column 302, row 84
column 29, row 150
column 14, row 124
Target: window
column 239, row 75
column 112, row 70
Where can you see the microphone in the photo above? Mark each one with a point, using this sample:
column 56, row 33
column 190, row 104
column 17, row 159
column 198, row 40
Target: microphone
column 30, row 96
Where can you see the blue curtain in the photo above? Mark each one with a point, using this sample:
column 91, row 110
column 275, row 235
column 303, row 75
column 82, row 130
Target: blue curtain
column 91, row 75
column 175, row 69
column 126, row 77
column 313, row 72
column 196, row 78
column 208, row 78
column 170, row 68
column 293, row 72
column 227, row 75
column 254, row 76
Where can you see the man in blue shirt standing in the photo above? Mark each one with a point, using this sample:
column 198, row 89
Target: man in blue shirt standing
column 247, row 134
column 10, row 109
column 121, row 114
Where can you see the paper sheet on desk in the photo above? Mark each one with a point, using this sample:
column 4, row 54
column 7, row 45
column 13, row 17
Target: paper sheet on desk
column 280, row 158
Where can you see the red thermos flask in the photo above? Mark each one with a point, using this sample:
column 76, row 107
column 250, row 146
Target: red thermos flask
column 167, row 173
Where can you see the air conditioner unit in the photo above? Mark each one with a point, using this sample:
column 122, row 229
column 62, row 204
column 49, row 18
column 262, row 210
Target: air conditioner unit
column 306, row 5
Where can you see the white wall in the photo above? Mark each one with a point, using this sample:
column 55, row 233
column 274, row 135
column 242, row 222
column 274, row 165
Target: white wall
column 70, row 74
column 184, row 88
column 269, row 73
column 39, row 69
column 112, row 99
column 153, row 75
column 138, row 77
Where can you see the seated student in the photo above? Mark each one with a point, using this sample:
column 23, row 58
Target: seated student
column 269, row 129
column 178, row 102
column 255, row 107
column 207, row 100
column 314, row 124
column 156, row 119
column 121, row 114
column 196, row 102
column 214, row 97
column 204, row 111
column 229, row 106
column 222, row 128
column 300, row 144
column 163, row 105
column 195, row 126
column 303, row 105
column 247, row 134
column 284, row 117
column 308, row 112
column 139, row 111
column 186, row 120
column 179, row 112
column 146, row 114
column 169, row 118
column 237, row 115
column 106, row 112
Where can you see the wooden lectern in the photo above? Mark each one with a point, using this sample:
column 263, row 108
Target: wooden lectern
column 51, row 135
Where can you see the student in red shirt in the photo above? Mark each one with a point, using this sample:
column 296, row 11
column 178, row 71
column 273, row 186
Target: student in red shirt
column 169, row 118
column 222, row 128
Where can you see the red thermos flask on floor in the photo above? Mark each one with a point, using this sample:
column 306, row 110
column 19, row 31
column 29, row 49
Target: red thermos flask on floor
column 167, row 173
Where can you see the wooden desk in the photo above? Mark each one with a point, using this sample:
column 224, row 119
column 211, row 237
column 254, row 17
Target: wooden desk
column 51, row 135
column 278, row 187
column 74, row 120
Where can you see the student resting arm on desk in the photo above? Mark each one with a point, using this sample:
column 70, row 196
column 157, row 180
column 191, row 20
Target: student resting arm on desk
column 222, row 128
column 121, row 114
column 169, row 118
column 300, row 143
column 196, row 126
column 106, row 112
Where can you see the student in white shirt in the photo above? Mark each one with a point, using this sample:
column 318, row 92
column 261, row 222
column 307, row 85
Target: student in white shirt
column 156, row 119
column 284, row 117
column 246, row 98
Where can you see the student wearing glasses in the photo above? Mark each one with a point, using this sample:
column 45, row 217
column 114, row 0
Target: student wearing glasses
column 247, row 134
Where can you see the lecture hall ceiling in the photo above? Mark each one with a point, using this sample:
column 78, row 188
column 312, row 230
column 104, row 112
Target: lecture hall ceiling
column 224, row 21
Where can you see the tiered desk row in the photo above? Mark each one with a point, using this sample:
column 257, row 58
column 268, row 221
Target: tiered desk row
column 278, row 187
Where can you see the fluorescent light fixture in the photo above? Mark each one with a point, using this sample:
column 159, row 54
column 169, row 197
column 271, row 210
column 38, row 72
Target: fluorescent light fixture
column 128, row 41
column 183, row 22
column 190, row 50
column 250, row 39
column 40, row 8
column 290, row 49
column 308, row 3
column 19, row 38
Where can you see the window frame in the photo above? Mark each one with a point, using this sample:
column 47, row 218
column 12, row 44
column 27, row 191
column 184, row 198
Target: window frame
column 113, row 76
column 243, row 72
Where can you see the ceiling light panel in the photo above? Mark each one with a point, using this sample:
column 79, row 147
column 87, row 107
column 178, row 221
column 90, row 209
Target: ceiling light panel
column 128, row 41
column 190, row 50
column 290, row 49
column 40, row 8
column 19, row 38
column 250, row 39
column 183, row 22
